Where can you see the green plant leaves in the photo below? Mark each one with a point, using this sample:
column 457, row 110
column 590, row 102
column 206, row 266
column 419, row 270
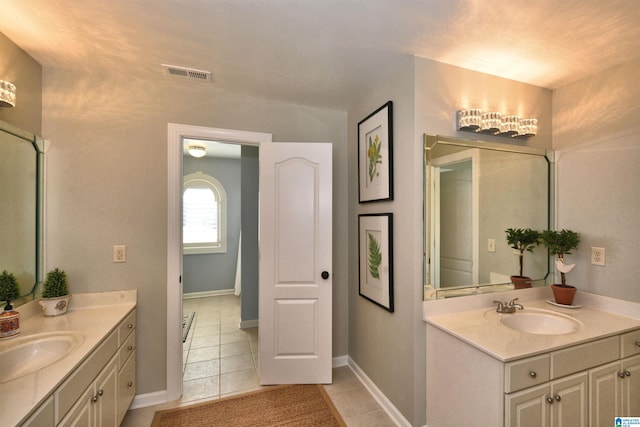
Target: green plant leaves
column 375, row 257
column 375, row 158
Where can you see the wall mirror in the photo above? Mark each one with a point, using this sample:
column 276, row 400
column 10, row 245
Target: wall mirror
column 473, row 192
column 21, row 183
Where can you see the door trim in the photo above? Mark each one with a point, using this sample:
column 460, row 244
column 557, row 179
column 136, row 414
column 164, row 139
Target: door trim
column 176, row 132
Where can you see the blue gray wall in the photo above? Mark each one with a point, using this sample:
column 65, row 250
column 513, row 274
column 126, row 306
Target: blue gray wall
column 250, row 174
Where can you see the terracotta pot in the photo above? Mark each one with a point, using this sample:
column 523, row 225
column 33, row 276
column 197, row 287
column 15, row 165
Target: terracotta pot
column 564, row 294
column 521, row 282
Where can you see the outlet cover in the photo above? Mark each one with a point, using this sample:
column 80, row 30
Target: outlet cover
column 119, row 253
column 597, row 256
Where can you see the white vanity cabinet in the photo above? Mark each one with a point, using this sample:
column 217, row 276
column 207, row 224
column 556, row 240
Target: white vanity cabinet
column 107, row 397
column 581, row 385
column 99, row 391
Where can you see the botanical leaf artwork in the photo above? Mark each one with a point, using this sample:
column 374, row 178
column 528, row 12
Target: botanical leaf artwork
column 375, row 158
column 375, row 257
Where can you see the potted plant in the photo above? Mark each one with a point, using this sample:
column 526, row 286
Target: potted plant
column 9, row 319
column 522, row 239
column 55, row 293
column 561, row 243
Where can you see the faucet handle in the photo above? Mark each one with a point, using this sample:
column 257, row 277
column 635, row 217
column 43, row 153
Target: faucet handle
column 513, row 301
column 500, row 304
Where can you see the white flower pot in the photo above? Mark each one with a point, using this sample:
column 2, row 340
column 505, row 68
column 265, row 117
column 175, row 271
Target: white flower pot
column 55, row 306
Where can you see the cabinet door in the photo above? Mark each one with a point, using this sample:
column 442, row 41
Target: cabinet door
column 605, row 395
column 528, row 408
column 126, row 386
column 82, row 414
column 631, row 387
column 43, row 417
column 106, row 395
column 570, row 401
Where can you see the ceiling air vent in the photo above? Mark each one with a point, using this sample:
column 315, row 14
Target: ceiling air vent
column 187, row 73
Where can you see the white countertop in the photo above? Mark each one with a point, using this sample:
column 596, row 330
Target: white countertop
column 92, row 315
column 481, row 328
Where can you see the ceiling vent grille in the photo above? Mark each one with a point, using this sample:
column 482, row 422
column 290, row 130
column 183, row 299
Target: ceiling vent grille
column 187, row 73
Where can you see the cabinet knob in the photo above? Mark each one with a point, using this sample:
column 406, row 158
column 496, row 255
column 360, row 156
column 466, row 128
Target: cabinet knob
column 533, row 374
column 638, row 343
column 130, row 384
column 130, row 326
column 622, row 374
column 100, row 392
column 550, row 400
column 557, row 398
column 627, row 373
column 94, row 399
column 130, row 348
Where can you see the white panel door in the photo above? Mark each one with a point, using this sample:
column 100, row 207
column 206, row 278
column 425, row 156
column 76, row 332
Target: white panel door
column 295, row 263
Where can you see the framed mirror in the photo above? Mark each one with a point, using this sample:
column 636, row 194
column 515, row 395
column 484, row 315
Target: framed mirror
column 473, row 192
column 21, row 183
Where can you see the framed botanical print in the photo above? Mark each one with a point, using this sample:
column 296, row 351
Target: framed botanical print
column 375, row 254
column 375, row 155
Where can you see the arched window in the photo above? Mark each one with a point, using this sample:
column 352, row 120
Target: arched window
column 204, row 215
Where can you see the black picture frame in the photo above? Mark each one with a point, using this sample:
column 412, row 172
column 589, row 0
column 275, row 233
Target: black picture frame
column 375, row 155
column 375, row 259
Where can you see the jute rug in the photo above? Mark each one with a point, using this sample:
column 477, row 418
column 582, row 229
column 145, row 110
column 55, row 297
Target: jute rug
column 288, row 405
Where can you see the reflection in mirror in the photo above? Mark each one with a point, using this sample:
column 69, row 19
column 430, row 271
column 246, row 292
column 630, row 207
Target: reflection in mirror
column 20, row 215
column 473, row 192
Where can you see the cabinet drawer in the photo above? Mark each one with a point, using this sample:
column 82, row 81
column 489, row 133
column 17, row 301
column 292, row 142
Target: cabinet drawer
column 127, row 349
column 630, row 343
column 126, row 386
column 526, row 373
column 126, row 327
column 71, row 389
column 584, row 356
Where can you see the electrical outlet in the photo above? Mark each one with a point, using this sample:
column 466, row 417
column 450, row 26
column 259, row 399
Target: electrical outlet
column 597, row 256
column 119, row 253
column 491, row 245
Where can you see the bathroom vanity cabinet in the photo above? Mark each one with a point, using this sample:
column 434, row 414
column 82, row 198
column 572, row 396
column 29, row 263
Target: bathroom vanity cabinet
column 481, row 372
column 107, row 395
column 93, row 385
column 582, row 385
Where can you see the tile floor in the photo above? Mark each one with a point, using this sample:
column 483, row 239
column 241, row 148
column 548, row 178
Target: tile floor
column 220, row 359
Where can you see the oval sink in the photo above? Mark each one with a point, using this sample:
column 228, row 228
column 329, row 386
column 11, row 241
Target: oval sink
column 541, row 322
column 25, row 355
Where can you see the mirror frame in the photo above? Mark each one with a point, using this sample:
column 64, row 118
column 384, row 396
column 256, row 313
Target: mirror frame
column 38, row 145
column 429, row 142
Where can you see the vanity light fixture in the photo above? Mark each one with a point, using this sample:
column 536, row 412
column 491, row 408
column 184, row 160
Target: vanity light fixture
column 197, row 150
column 495, row 123
column 7, row 94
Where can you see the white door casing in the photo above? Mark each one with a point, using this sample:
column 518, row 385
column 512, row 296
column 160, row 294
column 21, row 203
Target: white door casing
column 176, row 133
column 295, row 306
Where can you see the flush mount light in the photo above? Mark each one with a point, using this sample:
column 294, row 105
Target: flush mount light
column 495, row 123
column 197, row 150
column 7, row 94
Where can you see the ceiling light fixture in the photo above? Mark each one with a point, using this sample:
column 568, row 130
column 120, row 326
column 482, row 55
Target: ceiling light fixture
column 7, row 94
column 494, row 123
column 197, row 150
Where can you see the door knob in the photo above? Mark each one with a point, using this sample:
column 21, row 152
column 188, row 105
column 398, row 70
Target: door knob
column 325, row 275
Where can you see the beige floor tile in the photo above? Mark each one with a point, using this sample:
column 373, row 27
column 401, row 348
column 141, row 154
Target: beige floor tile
column 360, row 400
column 202, row 332
column 202, row 354
column 205, row 341
column 232, row 337
column 234, row 382
column 199, row 370
column 200, row 389
column 236, row 363
column 234, row 349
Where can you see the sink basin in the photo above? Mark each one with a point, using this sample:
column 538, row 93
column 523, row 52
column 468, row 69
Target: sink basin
column 25, row 355
column 541, row 322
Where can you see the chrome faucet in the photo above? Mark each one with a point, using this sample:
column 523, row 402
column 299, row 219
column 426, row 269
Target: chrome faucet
column 508, row 307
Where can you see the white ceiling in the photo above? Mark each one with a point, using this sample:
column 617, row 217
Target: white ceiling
column 314, row 52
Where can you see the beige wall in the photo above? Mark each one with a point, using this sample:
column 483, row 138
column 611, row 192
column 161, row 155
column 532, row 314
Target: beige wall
column 25, row 73
column 596, row 124
column 106, row 182
column 390, row 347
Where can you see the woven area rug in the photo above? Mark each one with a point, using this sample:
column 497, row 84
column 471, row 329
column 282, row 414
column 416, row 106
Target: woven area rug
column 187, row 320
column 288, row 405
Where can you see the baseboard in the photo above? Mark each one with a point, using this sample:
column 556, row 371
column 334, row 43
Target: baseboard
column 379, row 396
column 205, row 294
column 244, row 324
column 340, row 361
column 149, row 399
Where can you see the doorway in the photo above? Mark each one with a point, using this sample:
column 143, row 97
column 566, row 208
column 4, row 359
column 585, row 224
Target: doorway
column 176, row 135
